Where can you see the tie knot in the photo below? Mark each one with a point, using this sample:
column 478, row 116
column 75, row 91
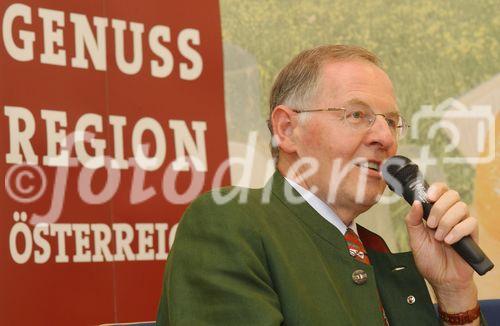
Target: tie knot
column 351, row 236
column 355, row 247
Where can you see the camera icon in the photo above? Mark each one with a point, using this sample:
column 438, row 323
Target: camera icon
column 471, row 130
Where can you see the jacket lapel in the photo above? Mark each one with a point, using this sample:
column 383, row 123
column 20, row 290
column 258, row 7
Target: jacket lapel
column 306, row 214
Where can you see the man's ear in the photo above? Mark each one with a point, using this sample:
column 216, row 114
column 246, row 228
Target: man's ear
column 283, row 123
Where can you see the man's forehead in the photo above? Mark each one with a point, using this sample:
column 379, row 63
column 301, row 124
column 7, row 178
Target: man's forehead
column 356, row 72
column 356, row 79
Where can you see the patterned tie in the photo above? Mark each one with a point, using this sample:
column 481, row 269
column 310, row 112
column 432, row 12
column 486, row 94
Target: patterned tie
column 358, row 252
column 356, row 248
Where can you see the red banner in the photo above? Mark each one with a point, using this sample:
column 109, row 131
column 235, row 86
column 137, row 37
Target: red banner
column 113, row 121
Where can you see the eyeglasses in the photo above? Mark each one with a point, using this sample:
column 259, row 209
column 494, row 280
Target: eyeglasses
column 364, row 118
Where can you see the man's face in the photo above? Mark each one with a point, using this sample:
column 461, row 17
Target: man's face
column 338, row 148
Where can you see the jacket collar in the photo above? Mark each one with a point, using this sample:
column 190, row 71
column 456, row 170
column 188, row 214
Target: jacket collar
column 308, row 215
column 305, row 213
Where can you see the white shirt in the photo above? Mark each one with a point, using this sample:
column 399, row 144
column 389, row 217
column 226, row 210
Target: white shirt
column 322, row 208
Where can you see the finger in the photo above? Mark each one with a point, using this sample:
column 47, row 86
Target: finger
column 436, row 190
column 453, row 216
column 445, row 201
column 462, row 229
column 475, row 233
column 414, row 216
column 417, row 231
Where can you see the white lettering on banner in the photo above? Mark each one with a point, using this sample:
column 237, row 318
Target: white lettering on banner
column 55, row 138
column 118, row 122
column 93, row 44
column 24, row 53
column 91, row 243
column 145, row 233
column 20, row 140
column 161, row 32
column 185, row 36
column 21, row 150
column 84, row 39
column 99, row 145
column 130, row 68
column 145, row 162
column 184, row 141
column 102, row 239
column 52, row 37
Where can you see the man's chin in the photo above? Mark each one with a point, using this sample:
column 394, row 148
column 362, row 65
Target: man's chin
column 368, row 199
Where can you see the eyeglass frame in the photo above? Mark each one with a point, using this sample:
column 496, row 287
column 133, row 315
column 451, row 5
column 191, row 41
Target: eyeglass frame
column 404, row 125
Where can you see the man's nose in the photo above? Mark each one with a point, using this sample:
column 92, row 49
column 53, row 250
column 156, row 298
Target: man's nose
column 381, row 133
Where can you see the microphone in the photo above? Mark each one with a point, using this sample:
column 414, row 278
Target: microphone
column 404, row 178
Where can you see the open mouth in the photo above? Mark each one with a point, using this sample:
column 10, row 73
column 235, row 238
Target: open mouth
column 375, row 166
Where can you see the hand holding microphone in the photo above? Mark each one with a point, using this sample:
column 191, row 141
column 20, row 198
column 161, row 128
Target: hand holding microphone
column 404, row 178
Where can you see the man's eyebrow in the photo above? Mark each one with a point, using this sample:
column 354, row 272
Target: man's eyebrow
column 359, row 102
column 356, row 101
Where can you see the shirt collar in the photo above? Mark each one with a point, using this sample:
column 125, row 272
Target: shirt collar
column 322, row 208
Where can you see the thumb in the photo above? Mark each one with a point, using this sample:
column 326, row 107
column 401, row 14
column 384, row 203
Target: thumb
column 413, row 219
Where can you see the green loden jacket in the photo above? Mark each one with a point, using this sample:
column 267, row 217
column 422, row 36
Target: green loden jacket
column 261, row 260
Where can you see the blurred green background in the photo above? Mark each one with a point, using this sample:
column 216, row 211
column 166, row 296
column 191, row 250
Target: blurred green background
column 432, row 50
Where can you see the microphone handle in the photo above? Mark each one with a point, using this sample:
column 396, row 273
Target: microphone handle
column 465, row 247
column 473, row 255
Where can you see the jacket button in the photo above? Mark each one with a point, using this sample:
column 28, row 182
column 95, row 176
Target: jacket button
column 410, row 299
column 359, row 277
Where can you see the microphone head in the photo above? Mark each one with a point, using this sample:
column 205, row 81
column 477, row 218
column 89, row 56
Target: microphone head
column 393, row 164
column 398, row 172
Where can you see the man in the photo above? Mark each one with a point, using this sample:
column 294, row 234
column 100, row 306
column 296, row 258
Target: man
column 267, row 258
